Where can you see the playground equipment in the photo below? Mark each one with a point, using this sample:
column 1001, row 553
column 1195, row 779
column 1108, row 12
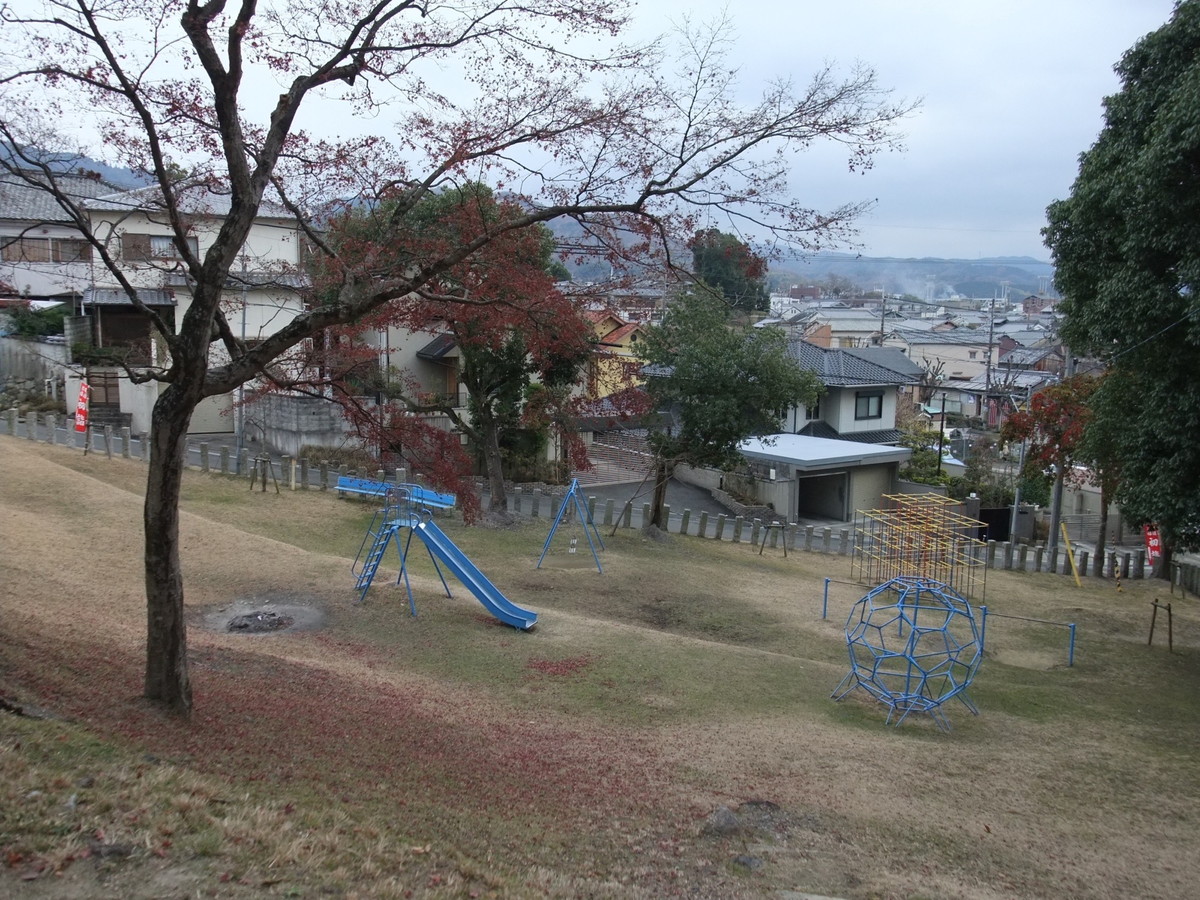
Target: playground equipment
column 410, row 507
column 920, row 536
column 572, row 507
column 914, row 644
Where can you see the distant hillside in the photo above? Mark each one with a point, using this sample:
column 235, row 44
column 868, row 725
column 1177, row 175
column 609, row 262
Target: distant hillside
column 926, row 277
column 69, row 162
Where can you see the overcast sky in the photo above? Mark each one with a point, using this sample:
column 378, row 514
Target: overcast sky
column 1011, row 93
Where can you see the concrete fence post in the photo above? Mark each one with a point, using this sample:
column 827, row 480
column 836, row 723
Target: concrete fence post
column 1126, row 559
column 720, row 526
column 755, row 529
column 1023, row 557
column 516, row 500
column 1007, row 548
column 304, row 473
column 738, row 522
column 826, row 539
column 808, row 537
column 1083, row 562
column 31, row 425
column 646, row 515
column 991, row 555
column 224, row 460
column 627, row 514
column 535, row 503
column 12, row 421
column 684, row 521
column 204, row 456
column 702, row 526
column 844, row 543
column 51, row 421
column 108, row 441
column 144, row 446
column 608, row 511
column 591, row 509
column 1139, row 563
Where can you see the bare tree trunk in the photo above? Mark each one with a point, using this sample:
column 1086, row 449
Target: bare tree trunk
column 1102, row 534
column 1162, row 569
column 167, row 680
column 493, row 465
column 662, row 474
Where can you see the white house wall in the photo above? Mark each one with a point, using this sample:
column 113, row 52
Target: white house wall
column 841, row 404
column 44, row 279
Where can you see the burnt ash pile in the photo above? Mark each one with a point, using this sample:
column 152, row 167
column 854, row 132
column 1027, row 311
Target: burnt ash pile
column 259, row 623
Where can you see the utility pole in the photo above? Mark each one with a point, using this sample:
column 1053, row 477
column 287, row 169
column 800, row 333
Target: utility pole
column 941, row 433
column 1057, row 497
column 987, row 378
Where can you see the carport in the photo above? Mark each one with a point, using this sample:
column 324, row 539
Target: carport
column 822, row 478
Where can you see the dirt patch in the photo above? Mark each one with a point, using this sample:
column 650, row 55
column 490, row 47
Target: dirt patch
column 256, row 616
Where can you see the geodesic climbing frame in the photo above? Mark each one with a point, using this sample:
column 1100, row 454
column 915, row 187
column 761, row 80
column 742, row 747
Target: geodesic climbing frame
column 914, row 643
column 920, row 536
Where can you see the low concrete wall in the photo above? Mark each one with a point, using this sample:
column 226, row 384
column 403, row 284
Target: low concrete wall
column 289, row 423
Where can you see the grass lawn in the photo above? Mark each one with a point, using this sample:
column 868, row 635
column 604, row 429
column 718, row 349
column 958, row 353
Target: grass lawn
column 367, row 753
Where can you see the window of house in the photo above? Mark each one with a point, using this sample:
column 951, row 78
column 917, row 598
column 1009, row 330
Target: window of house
column 72, row 250
column 972, row 353
column 163, row 247
column 868, row 405
column 27, row 249
column 36, row 249
column 812, row 412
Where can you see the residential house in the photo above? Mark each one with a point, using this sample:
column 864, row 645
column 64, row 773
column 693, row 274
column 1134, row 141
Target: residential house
column 957, row 355
column 261, row 297
column 862, row 389
column 614, row 364
column 838, row 456
column 43, row 256
column 1035, row 304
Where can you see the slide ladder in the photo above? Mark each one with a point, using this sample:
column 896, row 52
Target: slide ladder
column 383, row 528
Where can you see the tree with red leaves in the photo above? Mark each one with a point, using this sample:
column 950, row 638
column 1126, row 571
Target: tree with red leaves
column 631, row 142
column 511, row 326
column 1058, row 426
column 728, row 265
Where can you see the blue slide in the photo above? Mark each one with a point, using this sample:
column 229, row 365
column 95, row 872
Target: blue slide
column 456, row 561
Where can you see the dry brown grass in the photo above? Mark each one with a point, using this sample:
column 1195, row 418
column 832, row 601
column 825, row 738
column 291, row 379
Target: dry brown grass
column 381, row 755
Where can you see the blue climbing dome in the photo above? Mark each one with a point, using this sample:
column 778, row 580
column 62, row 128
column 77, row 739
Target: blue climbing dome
column 914, row 643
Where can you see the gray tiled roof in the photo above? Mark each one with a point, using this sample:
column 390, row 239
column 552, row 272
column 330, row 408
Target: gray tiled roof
column 842, row 367
column 117, row 297
column 825, row 430
column 963, row 336
column 23, row 202
column 196, row 201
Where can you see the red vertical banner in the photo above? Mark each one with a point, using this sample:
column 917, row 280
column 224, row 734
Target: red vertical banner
column 81, row 406
column 1153, row 543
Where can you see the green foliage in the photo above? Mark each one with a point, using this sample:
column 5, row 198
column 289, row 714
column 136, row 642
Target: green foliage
column 28, row 322
column 981, row 479
column 723, row 384
column 729, row 265
column 1127, row 257
column 922, row 466
column 1035, row 486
